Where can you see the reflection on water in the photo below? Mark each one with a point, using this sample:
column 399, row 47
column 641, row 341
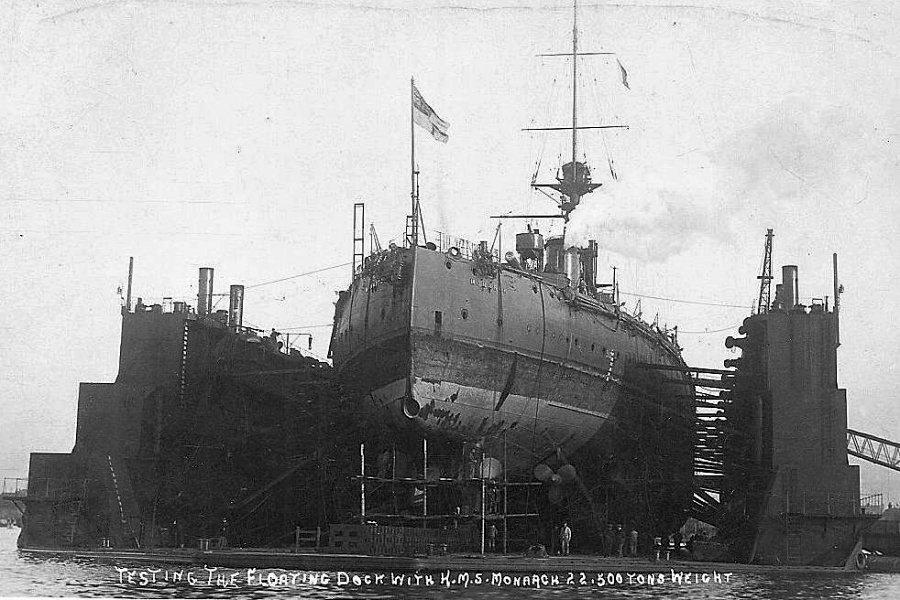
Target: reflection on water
column 27, row 576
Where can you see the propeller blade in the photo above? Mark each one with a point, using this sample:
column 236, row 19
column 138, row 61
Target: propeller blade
column 567, row 473
column 543, row 473
column 555, row 494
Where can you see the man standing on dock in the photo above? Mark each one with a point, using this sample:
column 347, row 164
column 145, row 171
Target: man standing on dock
column 609, row 537
column 620, row 541
column 565, row 536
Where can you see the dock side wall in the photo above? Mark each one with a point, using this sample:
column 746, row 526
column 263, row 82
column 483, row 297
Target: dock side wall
column 812, row 512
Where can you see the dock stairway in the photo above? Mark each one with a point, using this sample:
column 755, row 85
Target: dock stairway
column 124, row 504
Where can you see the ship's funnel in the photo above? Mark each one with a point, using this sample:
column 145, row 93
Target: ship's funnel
column 572, row 266
column 554, row 255
column 790, row 286
column 589, row 266
column 236, row 306
column 205, row 292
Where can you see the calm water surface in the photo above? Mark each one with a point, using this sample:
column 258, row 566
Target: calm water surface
column 25, row 576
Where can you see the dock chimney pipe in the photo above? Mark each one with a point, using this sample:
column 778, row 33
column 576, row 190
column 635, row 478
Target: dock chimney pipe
column 837, row 303
column 790, row 286
column 236, row 307
column 205, row 292
column 130, row 277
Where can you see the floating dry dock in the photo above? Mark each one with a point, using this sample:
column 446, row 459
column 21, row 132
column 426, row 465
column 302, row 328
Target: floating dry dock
column 591, row 566
column 211, row 431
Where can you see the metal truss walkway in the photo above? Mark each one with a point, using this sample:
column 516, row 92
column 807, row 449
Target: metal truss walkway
column 873, row 449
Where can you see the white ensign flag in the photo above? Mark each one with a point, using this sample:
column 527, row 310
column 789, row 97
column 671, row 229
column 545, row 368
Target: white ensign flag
column 426, row 118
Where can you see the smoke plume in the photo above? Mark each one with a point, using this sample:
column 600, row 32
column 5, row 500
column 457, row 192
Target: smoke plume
column 799, row 157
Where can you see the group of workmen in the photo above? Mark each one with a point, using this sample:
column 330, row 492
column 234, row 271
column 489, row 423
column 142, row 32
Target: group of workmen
column 617, row 542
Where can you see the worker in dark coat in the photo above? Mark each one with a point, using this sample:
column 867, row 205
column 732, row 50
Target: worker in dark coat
column 620, row 541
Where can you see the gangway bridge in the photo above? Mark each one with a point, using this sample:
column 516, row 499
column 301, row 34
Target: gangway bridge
column 873, row 449
column 14, row 489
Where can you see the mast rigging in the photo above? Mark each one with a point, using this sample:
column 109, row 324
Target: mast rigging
column 574, row 178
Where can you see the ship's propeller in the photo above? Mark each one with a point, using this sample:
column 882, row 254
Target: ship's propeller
column 564, row 475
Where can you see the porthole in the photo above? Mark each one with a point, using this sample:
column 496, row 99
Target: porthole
column 464, row 313
column 534, row 289
column 592, row 347
column 448, row 264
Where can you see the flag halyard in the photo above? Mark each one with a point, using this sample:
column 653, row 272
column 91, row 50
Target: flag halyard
column 425, row 117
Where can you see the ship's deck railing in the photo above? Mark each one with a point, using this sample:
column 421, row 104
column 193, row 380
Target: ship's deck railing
column 819, row 503
column 14, row 487
column 441, row 242
column 54, row 487
column 445, row 241
column 872, row 504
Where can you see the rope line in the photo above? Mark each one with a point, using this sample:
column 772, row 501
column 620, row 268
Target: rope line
column 684, row 301
column 256, row 285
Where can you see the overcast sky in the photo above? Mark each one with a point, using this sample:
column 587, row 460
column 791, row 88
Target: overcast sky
column 238, row 135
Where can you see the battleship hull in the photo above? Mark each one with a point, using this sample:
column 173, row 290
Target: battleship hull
column 441, row 346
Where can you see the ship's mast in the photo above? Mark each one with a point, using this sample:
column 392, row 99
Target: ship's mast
column 575, row 179
column 574, row 105
column 574, row 84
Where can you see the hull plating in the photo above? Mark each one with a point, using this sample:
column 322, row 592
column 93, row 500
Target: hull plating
column 439, row 346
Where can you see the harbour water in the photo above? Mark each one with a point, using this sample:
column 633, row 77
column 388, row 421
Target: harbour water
column 28, row 576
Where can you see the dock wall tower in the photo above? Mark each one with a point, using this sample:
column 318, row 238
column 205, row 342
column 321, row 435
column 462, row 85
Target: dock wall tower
column 790, row 495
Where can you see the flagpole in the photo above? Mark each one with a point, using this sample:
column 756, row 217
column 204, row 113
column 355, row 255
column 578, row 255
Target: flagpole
column 414, row 213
